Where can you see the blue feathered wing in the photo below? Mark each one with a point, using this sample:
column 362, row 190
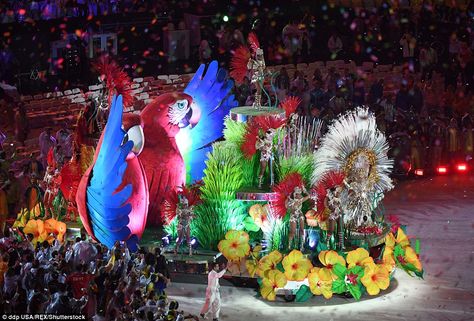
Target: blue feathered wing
column 211, row 91
column 108, row 208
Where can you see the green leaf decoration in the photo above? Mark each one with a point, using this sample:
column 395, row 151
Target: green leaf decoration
column 359, row 270
column 355, row 291
column 398, row 251
column 303, row 294
column 259, row 281
column 417, row 246
column 340, row 271
column 280, row 267
column 250, row 225
column 419, row 274
column 338, row 286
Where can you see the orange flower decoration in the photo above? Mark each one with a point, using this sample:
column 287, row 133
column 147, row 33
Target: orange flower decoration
column 329, row 259
column 360, row 257
column 235, row 246
column 296, row 266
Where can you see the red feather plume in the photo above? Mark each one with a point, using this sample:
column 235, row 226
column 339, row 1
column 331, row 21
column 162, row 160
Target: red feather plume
column 50, row 160
column 253, row 42
column 250, row 139
column 257, row 124
column 283, row 190
column 116, row 80
column 329, row 180
column 170, row 204
column 290, row 104
column 238, row 64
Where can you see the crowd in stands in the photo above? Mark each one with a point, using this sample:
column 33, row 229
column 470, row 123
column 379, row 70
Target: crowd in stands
column 81, row 277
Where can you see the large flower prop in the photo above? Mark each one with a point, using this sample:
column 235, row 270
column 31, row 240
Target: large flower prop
column 320, row 282
column 274, row 279
column 358, row 257
column 296, row 266
column 268, row 263
column 235, row 246
column 376, row 278
column 329, row 259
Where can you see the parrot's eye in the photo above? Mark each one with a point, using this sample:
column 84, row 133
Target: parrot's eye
column 136, row 135
column 178, row 111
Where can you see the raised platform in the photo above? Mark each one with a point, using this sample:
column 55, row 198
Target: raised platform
column 253, row 194
column 245, row 113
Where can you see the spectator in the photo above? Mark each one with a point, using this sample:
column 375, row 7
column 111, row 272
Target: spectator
column 376, row 92
column 408, row 43
column 334, row 45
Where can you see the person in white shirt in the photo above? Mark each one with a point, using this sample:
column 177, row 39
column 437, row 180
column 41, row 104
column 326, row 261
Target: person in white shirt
column 213, row 297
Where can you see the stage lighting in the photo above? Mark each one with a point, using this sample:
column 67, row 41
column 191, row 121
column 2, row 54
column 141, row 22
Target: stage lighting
column 441, row 169
column 461, row 167
column 419, row 172
column 193, row 241
column 225, row 18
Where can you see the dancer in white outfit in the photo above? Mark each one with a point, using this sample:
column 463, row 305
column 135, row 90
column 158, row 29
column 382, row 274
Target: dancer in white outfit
column 212, row 305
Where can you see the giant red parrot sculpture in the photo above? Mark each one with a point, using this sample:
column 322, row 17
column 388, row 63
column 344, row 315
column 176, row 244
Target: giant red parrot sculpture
column 137, row 161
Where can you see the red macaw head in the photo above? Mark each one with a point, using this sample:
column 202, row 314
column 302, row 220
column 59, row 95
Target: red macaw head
column 170, row 111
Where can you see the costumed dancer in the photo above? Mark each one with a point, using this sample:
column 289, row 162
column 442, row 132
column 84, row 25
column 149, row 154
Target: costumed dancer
column 51, row 181
column 329, row 194
column 290, row 196
column 212, row 305
column 259, row 136
column 180, row 204
column 265, row 146
column 355, row 146
column 34, row 194
column 251, row 61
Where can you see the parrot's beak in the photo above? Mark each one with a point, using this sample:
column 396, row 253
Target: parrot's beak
column 195, row 115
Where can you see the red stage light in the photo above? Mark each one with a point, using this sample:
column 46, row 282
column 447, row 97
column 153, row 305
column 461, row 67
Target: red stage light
column 461, row 167
column 442, row 169
column 419, row 172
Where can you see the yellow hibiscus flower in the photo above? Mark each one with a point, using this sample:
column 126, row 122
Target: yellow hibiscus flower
column 320, row 282
column 329, row 259
column 259, row 215
column 296, row 266
column 387, row 258
column 268, row 263
column 402, row 239
column 358, row 257
column 390, row 240
column 376, row 278
column 274, row 279
column 235, row 246
column 411, row 257
column 251, row 265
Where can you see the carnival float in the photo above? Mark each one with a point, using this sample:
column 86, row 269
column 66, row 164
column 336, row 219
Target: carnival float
column 294, row 208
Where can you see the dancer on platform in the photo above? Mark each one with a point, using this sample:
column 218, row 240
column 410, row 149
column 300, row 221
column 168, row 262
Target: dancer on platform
column 212, row 305
column 184, row 214
column 294, row 204
column 265, row 146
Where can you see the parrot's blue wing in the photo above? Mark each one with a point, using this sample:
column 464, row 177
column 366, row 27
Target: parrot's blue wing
column 211, row 91
column 107, row 207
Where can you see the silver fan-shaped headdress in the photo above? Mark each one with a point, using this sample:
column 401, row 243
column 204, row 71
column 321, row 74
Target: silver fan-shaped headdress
column 354, row 145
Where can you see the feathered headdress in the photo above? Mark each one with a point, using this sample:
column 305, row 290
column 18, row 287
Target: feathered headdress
column 116, row 80
column 289, row 104
column 330, row 180
column 256, row 125
column 253, row 42
column 241, row 56
column 238, row 64
column 172, row 199
column 282, row 191
column 353, row 134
